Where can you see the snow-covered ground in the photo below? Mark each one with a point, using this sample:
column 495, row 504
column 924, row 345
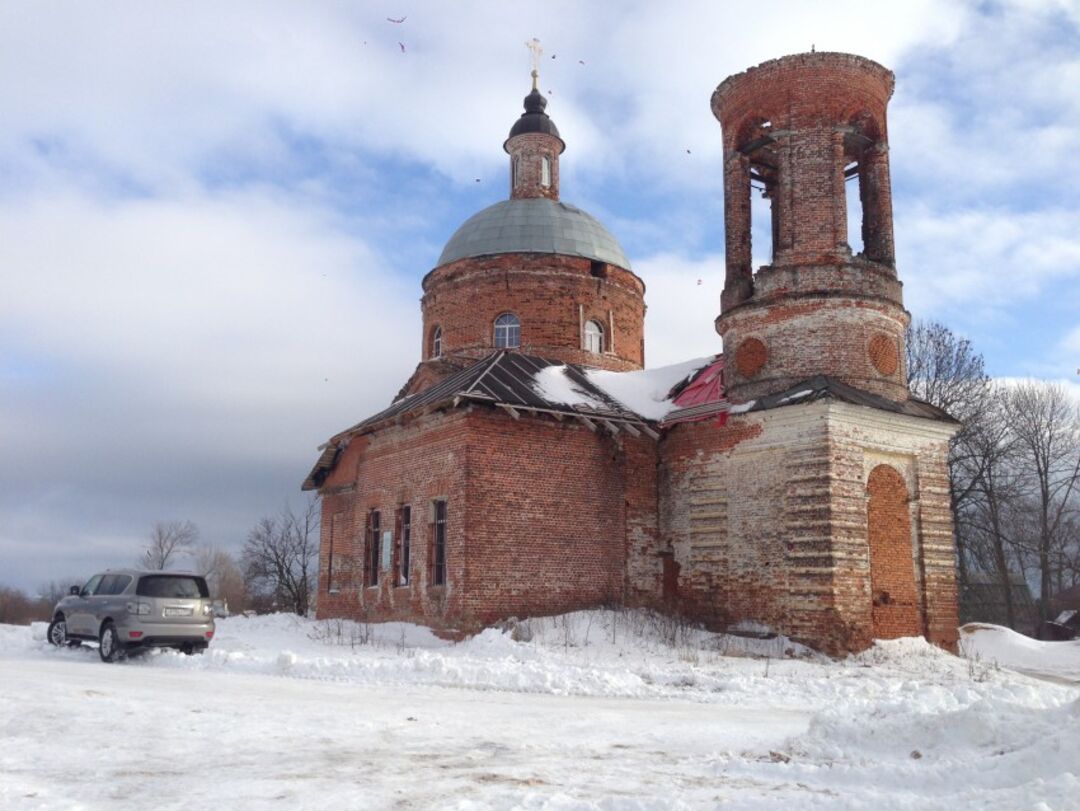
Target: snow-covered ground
column 599, row 710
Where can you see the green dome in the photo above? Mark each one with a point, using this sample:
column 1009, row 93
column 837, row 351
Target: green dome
column 534, row 226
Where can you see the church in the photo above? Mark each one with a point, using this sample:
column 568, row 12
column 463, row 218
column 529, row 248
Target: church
column 531, row 466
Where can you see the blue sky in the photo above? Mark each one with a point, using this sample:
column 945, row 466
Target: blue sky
column 214, row 217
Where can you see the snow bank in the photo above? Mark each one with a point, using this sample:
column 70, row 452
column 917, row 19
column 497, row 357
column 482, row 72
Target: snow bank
column 903, row 725
column 997, row 645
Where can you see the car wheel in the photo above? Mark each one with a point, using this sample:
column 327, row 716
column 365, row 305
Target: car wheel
column 110, row 648
column 57, row 633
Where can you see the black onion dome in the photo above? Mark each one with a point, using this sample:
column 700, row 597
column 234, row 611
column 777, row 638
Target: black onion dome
column 534, row 119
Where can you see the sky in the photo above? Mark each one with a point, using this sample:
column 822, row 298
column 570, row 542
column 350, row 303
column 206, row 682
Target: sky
column 214, row 218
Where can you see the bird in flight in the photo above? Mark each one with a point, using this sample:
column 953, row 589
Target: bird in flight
column 396, row 22
column 402, row 46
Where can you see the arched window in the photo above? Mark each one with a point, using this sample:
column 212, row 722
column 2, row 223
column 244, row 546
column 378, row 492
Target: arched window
column 594, row 337
column 545, row 172
column 436, row 342
column 507, row 331
column 515, row 175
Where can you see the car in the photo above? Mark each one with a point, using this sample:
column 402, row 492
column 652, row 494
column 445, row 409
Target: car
column 128, row 610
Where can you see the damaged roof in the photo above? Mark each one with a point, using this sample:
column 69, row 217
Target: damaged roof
column 821, row 387
column 508, row 379
column 503, row 379
column 703, row 397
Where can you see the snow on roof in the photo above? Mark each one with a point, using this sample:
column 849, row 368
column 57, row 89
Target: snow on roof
column 553, row 385
column 646, row 392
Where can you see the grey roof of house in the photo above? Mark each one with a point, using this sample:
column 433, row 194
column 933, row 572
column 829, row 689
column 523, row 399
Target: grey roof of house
column 533, row 226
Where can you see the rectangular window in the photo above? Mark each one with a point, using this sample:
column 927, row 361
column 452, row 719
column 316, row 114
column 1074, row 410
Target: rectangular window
column 373, row 549
column 337, row 524
column 438, row 546
column 404, row 538
column 545, row 172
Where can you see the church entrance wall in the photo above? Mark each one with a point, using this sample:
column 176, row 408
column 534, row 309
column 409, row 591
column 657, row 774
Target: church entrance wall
column 895, row 611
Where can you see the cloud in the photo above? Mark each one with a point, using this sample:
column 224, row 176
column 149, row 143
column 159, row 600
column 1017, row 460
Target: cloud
column 996, row 114
column 181, row 359
column 152, row 95
column 683, row 299
column 955, row 257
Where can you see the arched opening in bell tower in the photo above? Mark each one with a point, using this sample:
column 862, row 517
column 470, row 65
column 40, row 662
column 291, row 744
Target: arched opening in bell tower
column 865, row 176
column 758, row 148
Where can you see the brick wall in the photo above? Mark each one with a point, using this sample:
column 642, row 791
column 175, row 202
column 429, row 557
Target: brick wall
column 540, row 515
column 832, row 335
column 862, row 440
column 767, row 518
column 895, row 611
column 413, row 463
column 547, row 527
column 528, row 150
column 552, row 295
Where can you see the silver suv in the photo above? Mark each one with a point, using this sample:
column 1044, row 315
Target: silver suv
column 126, row 610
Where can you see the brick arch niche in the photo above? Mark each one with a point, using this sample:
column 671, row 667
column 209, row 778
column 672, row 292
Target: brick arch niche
column 895, row 610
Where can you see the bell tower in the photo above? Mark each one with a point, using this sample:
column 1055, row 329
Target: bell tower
column 802, row 130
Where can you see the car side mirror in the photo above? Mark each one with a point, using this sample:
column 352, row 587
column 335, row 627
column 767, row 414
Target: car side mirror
column 75, row 590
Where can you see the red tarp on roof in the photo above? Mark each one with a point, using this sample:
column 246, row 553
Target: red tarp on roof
column 706, row 387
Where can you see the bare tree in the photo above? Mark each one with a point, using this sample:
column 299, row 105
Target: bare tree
column 168, row 540
column 987, row 517
column 1046, row 422
column 280, row 557
column 224, row 576
column 19, row 608
column 945, row 370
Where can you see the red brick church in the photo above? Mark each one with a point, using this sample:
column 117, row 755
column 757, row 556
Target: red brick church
column 526, row 467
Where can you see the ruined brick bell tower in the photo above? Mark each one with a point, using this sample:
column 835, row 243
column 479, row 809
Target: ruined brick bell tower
column 800, row 129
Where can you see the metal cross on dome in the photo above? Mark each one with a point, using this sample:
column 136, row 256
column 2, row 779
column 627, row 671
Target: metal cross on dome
column 534, row 47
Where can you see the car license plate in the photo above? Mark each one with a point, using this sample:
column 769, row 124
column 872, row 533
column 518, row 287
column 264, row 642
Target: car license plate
column 176, row 612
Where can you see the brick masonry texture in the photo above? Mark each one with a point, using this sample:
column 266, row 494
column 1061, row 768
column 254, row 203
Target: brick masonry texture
column 552, row 295
column 795, row 125
column 828, row 522
column 772, row 519
column 539, row 517
column 892, row 567
column 526, row 155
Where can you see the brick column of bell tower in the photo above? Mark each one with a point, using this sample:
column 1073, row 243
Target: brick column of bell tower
column 798, row 129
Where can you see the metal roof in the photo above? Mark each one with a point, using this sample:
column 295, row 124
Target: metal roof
column 821, row 387
column 507, row 379
column 503, row 379
column 815, row 388
column 533, row 225
column 534, row 119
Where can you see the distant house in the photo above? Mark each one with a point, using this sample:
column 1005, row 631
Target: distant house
column 1068, row 600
